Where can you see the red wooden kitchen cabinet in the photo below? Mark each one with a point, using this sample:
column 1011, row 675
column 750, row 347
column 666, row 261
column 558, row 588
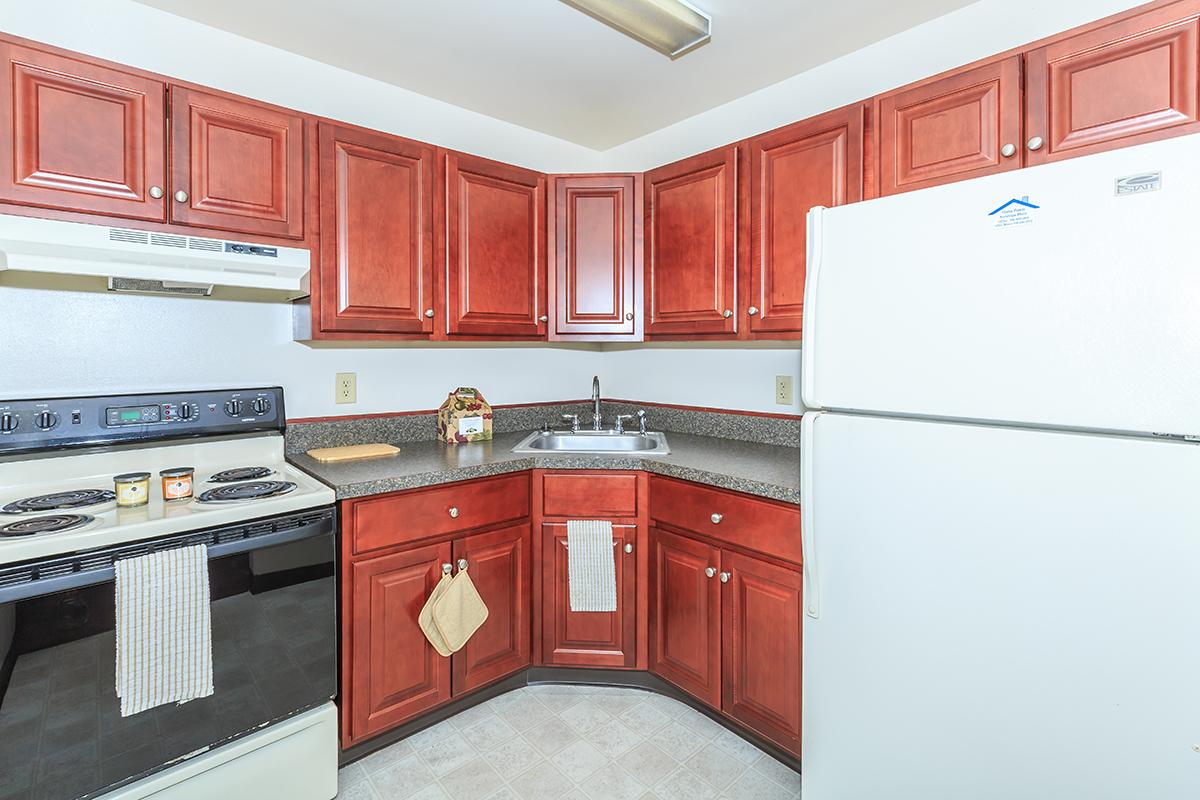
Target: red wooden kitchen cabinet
column 691, row 245
column 394, row 672
column 236, row 165
column 495, row 218
column 685, row 614
column 1129, row 82
column 962, row 125
column 817, row 162
column 375, row 274
column 82, row 136
column 595, row 246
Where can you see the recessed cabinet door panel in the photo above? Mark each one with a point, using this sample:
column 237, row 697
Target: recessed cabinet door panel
column 496, row 264
column 1126, row 83
column 951, row 128
column 817, row 162
column 377, row 219
column 594, row 278
column 498, row 562
column 396, row 672
column 240, row 164
column 691, row 245
column 761, row 634
column 81, row 137
column 685, row 614
column 588, row 638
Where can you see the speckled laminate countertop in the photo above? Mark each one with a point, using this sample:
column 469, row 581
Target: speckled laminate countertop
column 765, row 470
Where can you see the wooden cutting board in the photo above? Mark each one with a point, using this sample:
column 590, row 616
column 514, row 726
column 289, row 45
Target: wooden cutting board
column 352, row 452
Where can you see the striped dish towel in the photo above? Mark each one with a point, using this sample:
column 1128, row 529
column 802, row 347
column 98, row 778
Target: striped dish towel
column 591, row 566
column 164, row 629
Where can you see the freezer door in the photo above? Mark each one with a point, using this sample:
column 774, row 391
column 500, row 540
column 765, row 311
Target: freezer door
column 1002, row 614
column 1080, row 312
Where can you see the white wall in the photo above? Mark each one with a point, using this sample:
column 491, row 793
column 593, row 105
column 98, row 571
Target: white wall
column 969, row 34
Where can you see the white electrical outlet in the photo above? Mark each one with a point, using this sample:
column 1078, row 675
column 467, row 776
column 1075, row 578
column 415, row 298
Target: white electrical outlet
column 345, row 387
column 783, row 390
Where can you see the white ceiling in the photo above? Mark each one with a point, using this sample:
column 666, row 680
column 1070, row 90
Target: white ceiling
column 546, row 66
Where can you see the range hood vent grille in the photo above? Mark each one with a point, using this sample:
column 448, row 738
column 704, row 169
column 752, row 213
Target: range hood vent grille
column 158, row 287
column 128, row 236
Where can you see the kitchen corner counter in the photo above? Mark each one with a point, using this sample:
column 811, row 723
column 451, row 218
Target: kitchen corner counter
column 765, row 470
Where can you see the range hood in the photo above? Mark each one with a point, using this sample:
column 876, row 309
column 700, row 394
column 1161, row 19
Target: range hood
column 151, row 261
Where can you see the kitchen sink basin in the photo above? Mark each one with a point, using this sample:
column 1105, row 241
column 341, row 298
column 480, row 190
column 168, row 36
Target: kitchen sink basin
column 594, row 442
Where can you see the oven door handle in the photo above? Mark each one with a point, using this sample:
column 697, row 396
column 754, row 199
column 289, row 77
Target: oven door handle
column 52, row 584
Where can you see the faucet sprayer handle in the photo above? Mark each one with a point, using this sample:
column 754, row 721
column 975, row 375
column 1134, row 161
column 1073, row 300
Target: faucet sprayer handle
column 641, row 415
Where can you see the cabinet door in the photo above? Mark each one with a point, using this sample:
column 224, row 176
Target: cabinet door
column 817, row 162
column 685, row 614
column 760, row 636
column 588, row 638
column 238, row 164
column 376, row 270
column 495, row 243
column 595, row 238
column 395, row 672
column 951, row 128
column 691, row 245
column 1126, row 83
column 498, row 563
column 81, row 137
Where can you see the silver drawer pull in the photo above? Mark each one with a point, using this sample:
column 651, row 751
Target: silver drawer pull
column 710, row 571
column 716, row 518
column 628, row 548
column 454, row 512
column 725, row 577
column 462, row 565
column 447, row 569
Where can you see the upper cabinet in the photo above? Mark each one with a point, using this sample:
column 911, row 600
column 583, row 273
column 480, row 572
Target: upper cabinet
column 691, row 245
column 376, row 264
column 962, row 125
column 236, row 165
column 817, row 162
column 81, row 136
column 495, row 216
column 1122, row 84
column 594, row 242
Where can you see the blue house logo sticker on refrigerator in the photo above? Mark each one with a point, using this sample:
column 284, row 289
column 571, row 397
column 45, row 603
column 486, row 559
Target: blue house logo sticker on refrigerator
column 1013, row 212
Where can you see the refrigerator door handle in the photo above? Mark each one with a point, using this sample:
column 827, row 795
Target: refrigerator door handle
column 808, row 350
column 808, row 530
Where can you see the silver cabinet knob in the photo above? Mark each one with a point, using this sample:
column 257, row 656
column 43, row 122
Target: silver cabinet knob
column 725, row 577
column 716, row 518
column 727, row 313
column 429, row 313
column 156, row 192
column 454, row 512
column 752, row 310
column 1009, row 150
column 628, row 548
column 710, row 571
column 1035, row 143
column 181, row 196
column 462, row 564
column 543, row 318
column 629, row 315
column 447, row 568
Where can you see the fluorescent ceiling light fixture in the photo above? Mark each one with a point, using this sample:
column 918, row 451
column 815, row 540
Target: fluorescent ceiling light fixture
column 672, row 27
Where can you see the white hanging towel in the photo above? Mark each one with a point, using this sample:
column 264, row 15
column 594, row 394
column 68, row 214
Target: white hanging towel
column 591, row 565
column 164, row 629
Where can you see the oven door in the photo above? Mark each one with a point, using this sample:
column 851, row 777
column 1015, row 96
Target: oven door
column 274, row 655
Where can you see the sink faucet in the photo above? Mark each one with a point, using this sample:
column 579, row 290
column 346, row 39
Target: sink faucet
column 596, row 402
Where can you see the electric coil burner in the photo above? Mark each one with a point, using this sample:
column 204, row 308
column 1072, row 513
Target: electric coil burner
column 54, row 523
column 241, row 474
column 60, row 501
column 251, row 490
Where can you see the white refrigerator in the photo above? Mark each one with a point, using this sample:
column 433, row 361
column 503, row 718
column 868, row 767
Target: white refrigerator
column 1001, row 487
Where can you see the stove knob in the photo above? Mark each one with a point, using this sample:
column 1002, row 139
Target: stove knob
column 261, row 405
column 9, row 422
column 46, row 420
column 186, row 412
column 234, row 408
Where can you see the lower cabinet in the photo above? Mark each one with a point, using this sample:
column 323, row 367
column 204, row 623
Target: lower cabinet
column 685, row 603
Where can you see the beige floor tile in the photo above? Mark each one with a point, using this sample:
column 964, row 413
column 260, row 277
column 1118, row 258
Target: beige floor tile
column 446, row 755
column 753, row 785
column 559, row 703
column 737, row 747
column 683, row 784
column 465, row 719
column 474, row 780
column 513, row 757
column 432, row 792
column 402, row 779
column 701, row 724
column 649, row 763
column 677, row 740
column 488, row 733
column 362, row 790
column 505, row 793
column 551, row 736
column 578, row 760
column 614, row 738
column 350, row 775
column 386, row 757
column 716, row 766
column 585, row 715
column 644, row 718
column 613, row 782
column 525, row 713
column 542, row 782
column 784, row 775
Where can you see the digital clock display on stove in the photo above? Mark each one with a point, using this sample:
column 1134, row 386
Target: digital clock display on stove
column 133, row 415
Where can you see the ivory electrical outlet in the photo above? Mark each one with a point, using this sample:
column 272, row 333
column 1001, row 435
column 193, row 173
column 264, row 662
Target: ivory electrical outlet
column 346, row 387
column 783, row 390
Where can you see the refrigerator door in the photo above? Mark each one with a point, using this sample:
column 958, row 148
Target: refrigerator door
column 1077, row 309
column 1000, row 613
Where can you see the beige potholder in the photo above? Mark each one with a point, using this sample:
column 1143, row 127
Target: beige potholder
column 459, row 612
column 425, row 619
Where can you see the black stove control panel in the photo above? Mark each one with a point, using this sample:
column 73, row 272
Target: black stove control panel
column 57, row 422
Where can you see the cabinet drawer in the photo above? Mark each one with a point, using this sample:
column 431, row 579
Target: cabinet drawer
column 398, row 518
column 588, row 494
column 771, row 528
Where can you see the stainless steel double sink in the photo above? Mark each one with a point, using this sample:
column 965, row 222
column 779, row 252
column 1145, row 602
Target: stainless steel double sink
column 606, row 442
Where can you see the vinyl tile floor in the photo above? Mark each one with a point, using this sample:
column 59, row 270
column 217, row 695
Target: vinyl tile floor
column 571, row 743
